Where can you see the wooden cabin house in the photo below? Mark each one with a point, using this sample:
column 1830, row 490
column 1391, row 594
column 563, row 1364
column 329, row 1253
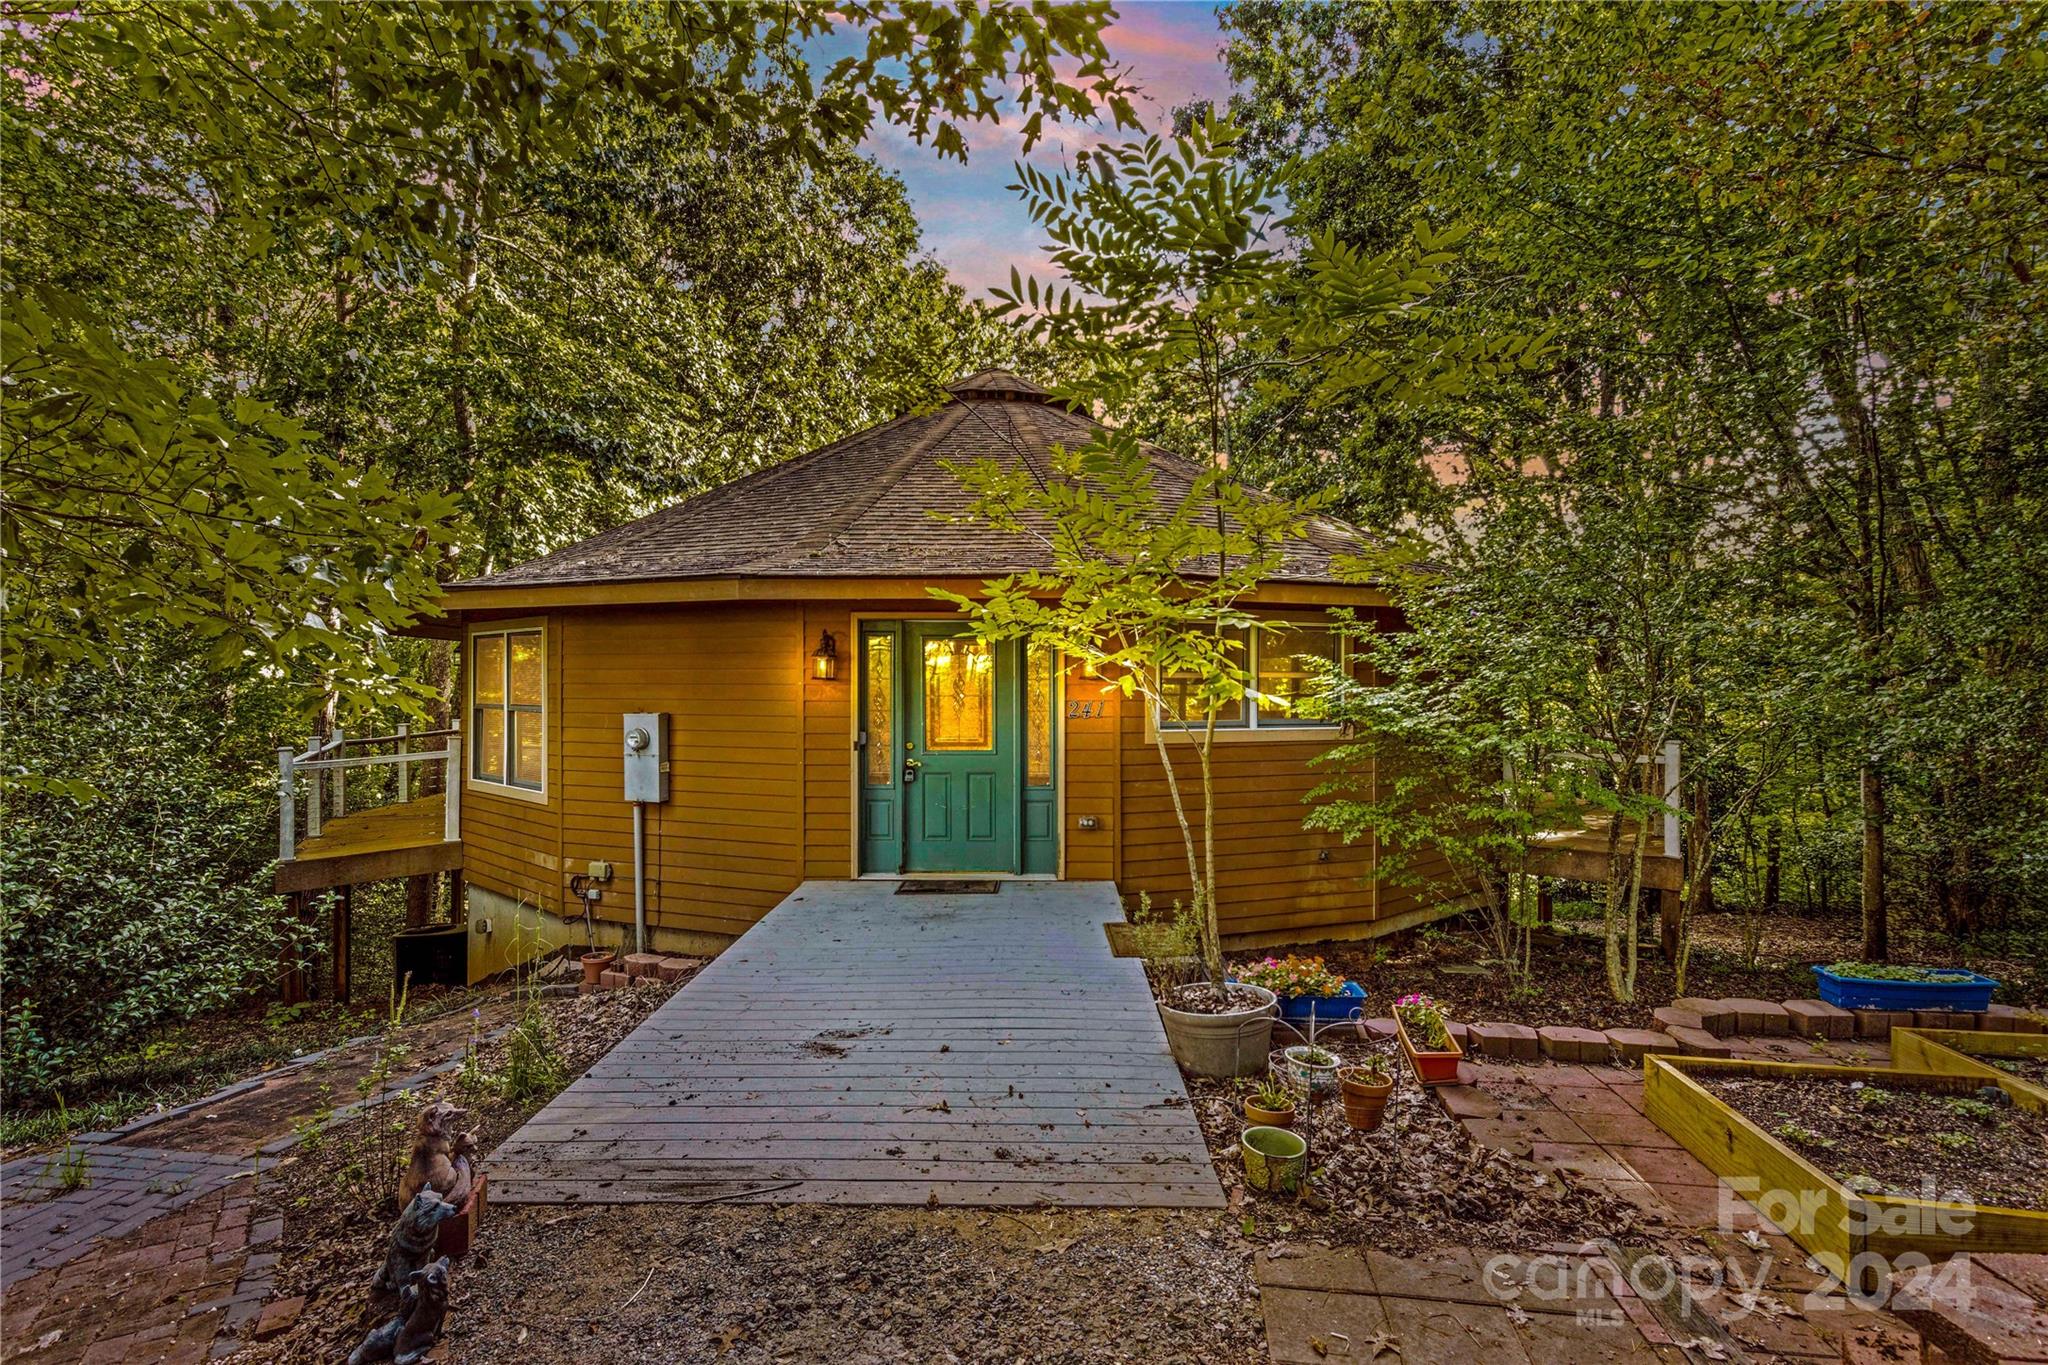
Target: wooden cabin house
column 815, row 713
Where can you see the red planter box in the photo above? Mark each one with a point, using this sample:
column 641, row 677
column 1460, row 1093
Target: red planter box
column 453, row 1238
column 1431, row 1068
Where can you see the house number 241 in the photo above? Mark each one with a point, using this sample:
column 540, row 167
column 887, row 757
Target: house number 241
column 1087, row 710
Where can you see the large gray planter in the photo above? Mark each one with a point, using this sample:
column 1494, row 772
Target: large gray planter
column 1221, row 1045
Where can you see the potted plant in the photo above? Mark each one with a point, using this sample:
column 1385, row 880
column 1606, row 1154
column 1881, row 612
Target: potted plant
column 1424, row 1028
column 1309, row 992
column 1365, row 1089
column 1313, row 1069
column 1271, row 1105
column 594, row 963
column 1221, row 1031
column 1275, row 1159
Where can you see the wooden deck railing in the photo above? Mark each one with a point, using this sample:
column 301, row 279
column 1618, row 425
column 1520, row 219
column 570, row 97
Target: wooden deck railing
column 325, row 765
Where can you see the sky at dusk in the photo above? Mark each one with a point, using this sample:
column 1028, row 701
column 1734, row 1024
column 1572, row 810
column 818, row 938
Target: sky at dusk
column 972, row 222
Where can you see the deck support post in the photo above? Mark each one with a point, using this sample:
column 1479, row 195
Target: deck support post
column 404, row 769
column 1544, row 909
column 419, row 900
column 339, row 914
column 458, row 913
column 1668, row 905
column 291, row 980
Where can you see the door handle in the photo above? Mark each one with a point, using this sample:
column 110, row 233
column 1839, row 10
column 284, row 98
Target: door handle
column 910, row 767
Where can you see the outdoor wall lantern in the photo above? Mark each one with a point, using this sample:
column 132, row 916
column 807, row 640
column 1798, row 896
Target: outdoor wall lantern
column 825, row 659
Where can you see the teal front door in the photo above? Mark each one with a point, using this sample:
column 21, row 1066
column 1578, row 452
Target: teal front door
column 960, row 778
column 957, row 754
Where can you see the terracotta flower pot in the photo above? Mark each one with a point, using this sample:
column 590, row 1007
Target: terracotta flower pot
column 1431, row 1067
column 1259, row 1117
column 1365, row 1102
column 593, row 965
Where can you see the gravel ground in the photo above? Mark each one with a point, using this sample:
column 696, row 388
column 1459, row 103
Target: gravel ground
column 810, row 1282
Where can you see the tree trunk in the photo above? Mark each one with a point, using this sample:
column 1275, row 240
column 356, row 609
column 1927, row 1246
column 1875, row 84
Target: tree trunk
column 1876, row 940
column 1187, row 833
column 1774, row 862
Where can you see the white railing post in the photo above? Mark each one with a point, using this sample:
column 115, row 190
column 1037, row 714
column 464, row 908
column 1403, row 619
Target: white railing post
column 451, row 790
column 404, row 769
column 340, row 774
column 1671, row 793
column 287, row 817
column 313, row 795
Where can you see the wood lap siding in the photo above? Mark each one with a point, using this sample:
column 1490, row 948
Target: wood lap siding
column 729, row 843
column 1093, row 781
column 762, row 783
column 1268, row 877
column 828, row 745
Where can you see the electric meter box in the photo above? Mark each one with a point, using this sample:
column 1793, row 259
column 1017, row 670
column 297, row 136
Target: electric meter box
column 647, row 756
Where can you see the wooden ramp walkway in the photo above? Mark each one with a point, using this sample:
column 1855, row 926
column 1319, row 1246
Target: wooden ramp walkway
column 863, row 1047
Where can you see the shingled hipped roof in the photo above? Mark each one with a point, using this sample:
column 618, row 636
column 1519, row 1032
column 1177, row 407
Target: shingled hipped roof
column 861, row 507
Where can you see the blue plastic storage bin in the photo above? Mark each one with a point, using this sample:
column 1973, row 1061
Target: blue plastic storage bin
column 1963, row 991
column 1295, row 1009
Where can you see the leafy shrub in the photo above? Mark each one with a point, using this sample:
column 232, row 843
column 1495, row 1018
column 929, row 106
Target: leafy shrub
column 133, row 890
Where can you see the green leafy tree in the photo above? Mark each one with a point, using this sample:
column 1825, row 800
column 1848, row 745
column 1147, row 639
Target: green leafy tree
column 1172, row 297
column 375, row 147
column 1785, row 272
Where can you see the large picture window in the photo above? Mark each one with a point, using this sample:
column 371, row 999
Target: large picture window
column 507, row 708
column 1278, row 656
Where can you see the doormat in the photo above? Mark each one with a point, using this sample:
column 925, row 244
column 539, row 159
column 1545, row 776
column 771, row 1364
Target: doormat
column 967, row 888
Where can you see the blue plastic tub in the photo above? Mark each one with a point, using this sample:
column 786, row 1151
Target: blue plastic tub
column 1296, row 1009
column 1962, row 991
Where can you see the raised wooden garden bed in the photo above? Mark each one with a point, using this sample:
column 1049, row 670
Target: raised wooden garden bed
column 1968, row 1052
column 1857, row 1237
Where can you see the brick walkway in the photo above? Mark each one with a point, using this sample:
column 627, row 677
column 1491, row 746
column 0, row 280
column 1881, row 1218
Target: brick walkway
column 190, row 1284
column 126, row 1187
column 165, row 1252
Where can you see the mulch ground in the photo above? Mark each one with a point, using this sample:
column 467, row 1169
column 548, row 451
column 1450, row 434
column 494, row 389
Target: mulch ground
column 1417, row 1181
column 2033, row 1069
column 1568, row 978
column 1890, row 1139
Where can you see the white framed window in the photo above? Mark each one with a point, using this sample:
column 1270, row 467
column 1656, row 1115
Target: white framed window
column 508, row 708
column 1277, row 656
